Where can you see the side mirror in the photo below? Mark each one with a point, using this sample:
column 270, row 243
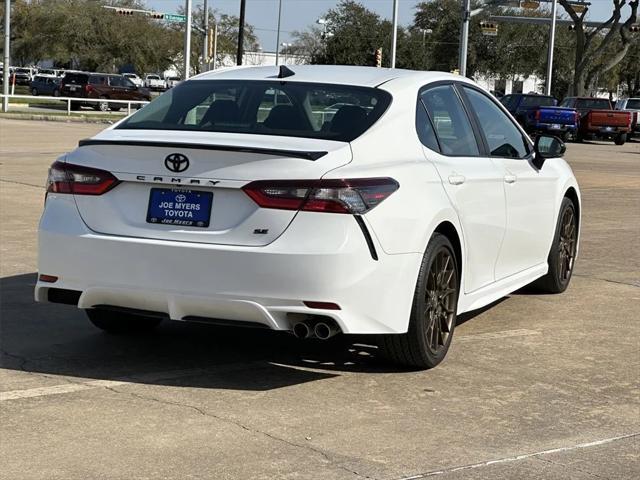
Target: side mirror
column 547, row 146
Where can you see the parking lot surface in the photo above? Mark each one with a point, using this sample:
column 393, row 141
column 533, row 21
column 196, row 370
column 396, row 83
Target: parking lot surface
column 534, row 387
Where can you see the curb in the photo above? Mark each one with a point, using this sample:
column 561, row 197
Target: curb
column 56, row 118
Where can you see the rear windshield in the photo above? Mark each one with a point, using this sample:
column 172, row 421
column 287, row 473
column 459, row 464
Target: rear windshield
column 538, row 101
column 633, row 104
column 76, row 78
column 311, row 110
column 593, row 103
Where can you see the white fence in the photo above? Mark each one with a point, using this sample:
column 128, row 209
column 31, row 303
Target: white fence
column 78, row 100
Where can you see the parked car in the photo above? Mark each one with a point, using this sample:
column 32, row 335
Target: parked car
column 154, row 82
column 135, row 79
column 383, row 223
column 539, row 114
column 101, row 85
column 171, row 82
column 599, row 120
column 631, row 105
column 43, row 84
column 23, row 75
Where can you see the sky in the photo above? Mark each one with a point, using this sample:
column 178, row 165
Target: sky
column 299, row 14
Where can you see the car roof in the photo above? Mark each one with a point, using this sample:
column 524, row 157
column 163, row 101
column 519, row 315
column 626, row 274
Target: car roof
column 335, row 74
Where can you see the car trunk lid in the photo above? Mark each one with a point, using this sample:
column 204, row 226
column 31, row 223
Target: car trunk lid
column 207, row 189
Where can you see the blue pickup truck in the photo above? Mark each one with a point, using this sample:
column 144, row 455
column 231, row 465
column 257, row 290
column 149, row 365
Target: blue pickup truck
column 540, row 114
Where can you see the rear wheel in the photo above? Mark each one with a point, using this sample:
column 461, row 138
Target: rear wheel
column 563, row 251
column 117, row 322
column 620, row 139
column 103, row 106
column 433, row 315
column 56, row 93
column 34, row 92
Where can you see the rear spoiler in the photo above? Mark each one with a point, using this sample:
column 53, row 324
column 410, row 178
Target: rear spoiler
column 307, row 155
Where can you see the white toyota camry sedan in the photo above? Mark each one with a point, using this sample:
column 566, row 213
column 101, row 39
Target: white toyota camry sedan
column 317, row 200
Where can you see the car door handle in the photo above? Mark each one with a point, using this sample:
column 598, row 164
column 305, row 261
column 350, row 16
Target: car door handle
column 510, row 178
column 456, row 179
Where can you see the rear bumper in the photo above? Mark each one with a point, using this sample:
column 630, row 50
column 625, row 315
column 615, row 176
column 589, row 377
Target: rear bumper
column 320, row 257
column 554, row 128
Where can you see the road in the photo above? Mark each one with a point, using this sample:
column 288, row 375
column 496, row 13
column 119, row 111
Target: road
column 534, row 387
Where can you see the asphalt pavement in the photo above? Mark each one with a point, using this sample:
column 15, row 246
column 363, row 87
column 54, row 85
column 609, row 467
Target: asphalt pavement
column 534, row 386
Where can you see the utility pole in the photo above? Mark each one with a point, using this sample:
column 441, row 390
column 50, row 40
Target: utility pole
column 7, row 57
column 278, row 34
column 464, row 37
column 187, row 40
column 552, row 41
column 205, row 48
column 394, row 37
column 243, row 7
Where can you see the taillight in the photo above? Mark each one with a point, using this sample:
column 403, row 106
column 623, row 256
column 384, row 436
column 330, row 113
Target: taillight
column 79, row 180
column 354, row 196
column 537, row 114
column 88, row 88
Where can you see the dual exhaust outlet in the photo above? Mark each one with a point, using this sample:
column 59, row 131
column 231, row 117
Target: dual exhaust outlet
column 322, row 330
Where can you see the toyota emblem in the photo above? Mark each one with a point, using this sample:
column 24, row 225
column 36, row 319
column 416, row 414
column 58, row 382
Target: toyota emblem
column 176, row 162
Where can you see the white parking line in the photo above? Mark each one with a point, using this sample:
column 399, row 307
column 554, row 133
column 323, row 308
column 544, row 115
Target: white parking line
column 520, row 457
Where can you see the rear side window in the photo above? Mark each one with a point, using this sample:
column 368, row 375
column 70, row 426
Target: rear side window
column 633, row 104
column 424, row 127
column 450, row 121
column 593, row 103
column 76, row 78
column 502, row 136
column 98, row 80
column 538, row 101
column 323, row 111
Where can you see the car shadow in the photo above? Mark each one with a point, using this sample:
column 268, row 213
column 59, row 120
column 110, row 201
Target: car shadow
column 52, row 339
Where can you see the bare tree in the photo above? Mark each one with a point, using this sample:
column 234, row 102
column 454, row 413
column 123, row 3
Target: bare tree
column 593, row 45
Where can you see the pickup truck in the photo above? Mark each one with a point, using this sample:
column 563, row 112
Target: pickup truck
column 154, row 82
column 631, row 105
column 599, row 120
column 539, row 114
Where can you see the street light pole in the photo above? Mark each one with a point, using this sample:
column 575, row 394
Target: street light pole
column 552, row 41
column 187, row 40
column 278, row 34
column 205, row 48
column 7, row 58
column 464, row 37
column 243, row 7
column 394, row 38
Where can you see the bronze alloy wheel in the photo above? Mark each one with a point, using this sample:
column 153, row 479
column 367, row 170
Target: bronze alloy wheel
column 567, row 244
column 440, row 300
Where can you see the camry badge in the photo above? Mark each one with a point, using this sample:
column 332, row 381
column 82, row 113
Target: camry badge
column 176, row 162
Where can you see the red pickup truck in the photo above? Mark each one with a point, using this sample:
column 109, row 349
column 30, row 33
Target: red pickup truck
column 599, row 120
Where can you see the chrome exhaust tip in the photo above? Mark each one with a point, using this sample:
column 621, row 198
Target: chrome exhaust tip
column 324, row 331
column 302, row 330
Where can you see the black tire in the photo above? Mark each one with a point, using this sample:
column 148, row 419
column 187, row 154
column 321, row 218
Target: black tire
column 579, row 137
column 562, row 256
column 34, row 92
column 56, row 93
column 114, row 109
column 620, row 139
column 433, row 313
column 75, row 106
column 117, row 322
column 102, row 106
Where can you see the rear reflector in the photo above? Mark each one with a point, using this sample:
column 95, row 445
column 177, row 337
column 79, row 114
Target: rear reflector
column 322, row 305
column 48, row 278
column 79, row 180
column 354, row 196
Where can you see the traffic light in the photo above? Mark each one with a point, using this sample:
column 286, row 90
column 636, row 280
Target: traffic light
column 124, row 11
column 378, row 57
column 489, row 28
column 634, row 28
column 572, row 28
column 156, row 15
